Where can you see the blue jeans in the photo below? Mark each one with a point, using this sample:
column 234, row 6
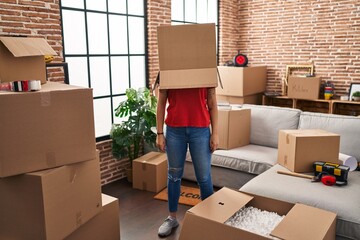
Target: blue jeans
column 178, row 139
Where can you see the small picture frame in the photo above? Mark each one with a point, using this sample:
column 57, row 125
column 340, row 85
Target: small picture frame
column 354, row 87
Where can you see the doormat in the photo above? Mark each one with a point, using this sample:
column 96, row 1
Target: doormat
column 188, row 195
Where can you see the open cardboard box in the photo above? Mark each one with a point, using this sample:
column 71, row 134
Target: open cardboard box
column 206, row 219
column 187, row 56
column 22, row 58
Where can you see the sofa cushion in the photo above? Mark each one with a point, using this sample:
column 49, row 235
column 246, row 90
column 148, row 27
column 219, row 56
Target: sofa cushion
column 344, row 201
column 250, row 158
column 266, row 121
column 348, row 127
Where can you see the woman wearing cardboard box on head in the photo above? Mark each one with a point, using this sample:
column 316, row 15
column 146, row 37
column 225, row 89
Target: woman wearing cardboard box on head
column 189, row 115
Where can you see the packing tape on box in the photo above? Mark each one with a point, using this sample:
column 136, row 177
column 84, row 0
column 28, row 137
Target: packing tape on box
column 35, row 85
column 349, row 161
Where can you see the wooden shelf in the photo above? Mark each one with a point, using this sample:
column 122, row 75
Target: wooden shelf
column 316, row 105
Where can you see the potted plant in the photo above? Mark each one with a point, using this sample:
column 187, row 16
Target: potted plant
column 138, row 113
column 356, row 96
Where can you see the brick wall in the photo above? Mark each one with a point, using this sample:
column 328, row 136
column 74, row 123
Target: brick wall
column 325, row 33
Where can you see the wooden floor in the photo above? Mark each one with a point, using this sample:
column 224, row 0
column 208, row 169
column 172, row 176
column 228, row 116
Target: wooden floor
column 140, row 214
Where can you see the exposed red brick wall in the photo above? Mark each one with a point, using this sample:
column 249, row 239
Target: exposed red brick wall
column 111, row 169
column 325, row 33
column 228, row 30
column 158, row 13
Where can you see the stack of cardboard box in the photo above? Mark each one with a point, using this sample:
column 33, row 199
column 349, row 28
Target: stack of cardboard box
column 240, row 85
column 49, row 166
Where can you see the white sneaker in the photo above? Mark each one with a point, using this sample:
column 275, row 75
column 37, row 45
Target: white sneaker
column 166, row 228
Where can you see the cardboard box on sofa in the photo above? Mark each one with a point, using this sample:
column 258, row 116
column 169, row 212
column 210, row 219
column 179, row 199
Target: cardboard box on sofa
column 250, row 99
column 49, row 204
column 45, row 129
column 234, row 127
column 187, row 56
column 206, row 219
column 104, row 226
column 22, row 58
column 304, row 87
column 242, row 81
column 150, row 172
column 298, row 149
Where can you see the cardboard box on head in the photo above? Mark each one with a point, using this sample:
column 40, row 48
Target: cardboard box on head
column 187, row 56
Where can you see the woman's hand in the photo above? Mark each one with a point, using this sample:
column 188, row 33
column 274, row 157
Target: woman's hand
column 214, row 142
column 160, row 142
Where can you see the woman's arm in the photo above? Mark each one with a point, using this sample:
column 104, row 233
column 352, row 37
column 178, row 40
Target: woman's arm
column 160, row 118
column 212, row 105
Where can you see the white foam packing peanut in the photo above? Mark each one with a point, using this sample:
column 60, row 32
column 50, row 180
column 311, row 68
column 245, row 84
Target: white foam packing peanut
column 255, row 220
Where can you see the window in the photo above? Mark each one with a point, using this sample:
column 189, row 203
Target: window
column 104, row 46
column 195, row 11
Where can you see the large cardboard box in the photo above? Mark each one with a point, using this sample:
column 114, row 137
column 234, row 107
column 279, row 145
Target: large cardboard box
column 298, row 149
column 150, row 172
column 45, row 129
column 234, row 127
column 206, row 219
column 49, row 204
column 104, row 226
column 242, row 81
column 304, row 87
column 250, row 99
column 22, row 58
column 187, row 56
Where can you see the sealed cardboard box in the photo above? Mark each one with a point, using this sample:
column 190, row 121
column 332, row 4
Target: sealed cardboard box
column 22, row 58
column 104, row 226
column 187, row 56
column 234, row 127
column 49, row 204
column 304, row 87
column 250, row 99
column 206, row 219
column 242, row 81
column 45, row 129
column 298, row 149
column 150, row 172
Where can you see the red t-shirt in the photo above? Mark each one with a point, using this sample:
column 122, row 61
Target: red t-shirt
column 187, row 108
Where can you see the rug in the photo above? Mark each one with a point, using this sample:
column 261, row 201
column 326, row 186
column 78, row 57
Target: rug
column 188, row 196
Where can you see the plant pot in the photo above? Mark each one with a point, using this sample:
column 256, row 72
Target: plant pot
column 129, row 174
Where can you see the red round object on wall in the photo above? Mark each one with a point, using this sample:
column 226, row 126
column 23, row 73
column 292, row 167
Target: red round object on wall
column 328, row 180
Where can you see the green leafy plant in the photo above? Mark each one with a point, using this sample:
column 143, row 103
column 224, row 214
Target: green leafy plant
column 139, row 115
column 356, row 94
